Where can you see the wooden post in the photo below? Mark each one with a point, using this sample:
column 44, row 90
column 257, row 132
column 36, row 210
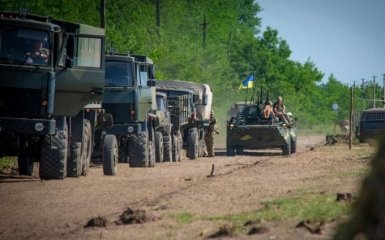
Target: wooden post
column 351, row 118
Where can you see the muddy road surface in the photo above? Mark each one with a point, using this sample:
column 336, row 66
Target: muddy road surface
column 177, row 200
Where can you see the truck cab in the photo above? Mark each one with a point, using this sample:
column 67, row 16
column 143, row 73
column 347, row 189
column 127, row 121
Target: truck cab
column 49, row 70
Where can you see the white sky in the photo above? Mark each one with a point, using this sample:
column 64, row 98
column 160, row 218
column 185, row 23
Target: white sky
column 342, row 37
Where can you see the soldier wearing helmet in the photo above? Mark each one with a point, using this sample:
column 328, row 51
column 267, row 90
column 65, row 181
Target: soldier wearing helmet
column 209, row 138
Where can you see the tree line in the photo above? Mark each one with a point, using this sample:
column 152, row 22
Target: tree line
column 216, row 42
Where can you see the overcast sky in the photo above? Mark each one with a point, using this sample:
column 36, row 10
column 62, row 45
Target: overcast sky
column 342, row 37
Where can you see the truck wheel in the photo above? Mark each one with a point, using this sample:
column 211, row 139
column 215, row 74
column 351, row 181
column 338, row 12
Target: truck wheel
column 193, row 145
column 180, row 146
column 110, row 155
column 123, row 152
column 239, row 150
column 167, row 150
column 25, row 164
column 74, row 164
column 151, row 151
column 138, row 151
column 230, row 151
column 286, row 149
column 53, row 162
column 175, row 148
column 159, row 147
column 87, row 147
column 293, row 145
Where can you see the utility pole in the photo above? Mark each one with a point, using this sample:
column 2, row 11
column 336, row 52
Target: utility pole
column 383, row 89
column 374, row 91
column 102, row 13
column 204, row 24
column 157, row 13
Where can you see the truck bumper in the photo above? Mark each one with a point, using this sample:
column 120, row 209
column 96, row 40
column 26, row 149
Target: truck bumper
column 28, row 126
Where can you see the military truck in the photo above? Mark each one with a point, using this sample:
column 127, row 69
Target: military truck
column 49, row 70
column 371, row 125
column 129, row 105
column 163, row 129
column 191, row 106
column 249, row 130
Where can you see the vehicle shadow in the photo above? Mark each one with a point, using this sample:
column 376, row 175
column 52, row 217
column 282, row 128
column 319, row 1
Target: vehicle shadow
column 255, row 153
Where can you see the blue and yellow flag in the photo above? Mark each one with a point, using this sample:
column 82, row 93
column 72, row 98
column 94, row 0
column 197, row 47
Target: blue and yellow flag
column 247, row 83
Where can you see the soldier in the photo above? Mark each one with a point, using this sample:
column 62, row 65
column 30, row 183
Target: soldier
column 209, row 139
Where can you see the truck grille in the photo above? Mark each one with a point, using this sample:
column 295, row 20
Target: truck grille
column 119, row 111
column 17, row 102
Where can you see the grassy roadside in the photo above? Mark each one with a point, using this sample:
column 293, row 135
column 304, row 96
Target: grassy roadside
column 7, row 163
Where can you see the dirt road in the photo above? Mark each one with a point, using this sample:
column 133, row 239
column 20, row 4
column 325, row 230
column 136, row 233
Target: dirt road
column 171, row 192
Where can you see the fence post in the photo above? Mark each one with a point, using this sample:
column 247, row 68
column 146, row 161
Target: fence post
column 351, row 118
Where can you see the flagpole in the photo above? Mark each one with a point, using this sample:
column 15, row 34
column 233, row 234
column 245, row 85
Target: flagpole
column 254, row 86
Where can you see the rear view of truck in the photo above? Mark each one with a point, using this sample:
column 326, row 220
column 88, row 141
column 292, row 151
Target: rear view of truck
column 49, row 70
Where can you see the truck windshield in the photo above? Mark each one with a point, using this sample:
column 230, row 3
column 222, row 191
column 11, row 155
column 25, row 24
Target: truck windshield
column 24, row 46
column 119, row 74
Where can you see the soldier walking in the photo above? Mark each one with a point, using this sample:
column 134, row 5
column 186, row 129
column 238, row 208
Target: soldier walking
column 209, row 138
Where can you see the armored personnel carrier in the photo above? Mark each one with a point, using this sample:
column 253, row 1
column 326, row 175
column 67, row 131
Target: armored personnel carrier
column 249, row 130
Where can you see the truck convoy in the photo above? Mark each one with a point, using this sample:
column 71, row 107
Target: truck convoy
column 49, row 70
column 190, row 113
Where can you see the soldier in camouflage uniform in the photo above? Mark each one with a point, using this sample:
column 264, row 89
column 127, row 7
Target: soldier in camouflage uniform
column 209, row 139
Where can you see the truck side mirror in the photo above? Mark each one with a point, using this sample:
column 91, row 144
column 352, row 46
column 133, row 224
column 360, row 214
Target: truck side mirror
column 151, row 83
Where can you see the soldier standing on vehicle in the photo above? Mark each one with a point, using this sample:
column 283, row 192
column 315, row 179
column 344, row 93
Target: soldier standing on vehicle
column 209, row 139
column 279, row 110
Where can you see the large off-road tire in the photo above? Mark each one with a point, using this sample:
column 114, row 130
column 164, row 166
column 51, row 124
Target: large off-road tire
column 25, row 164
column 230, row 151
column 176, row 147
column 167, row 148
column 110, row 155
column 293, row 145
column 53, row 162
column 159, row 148
column 193, row 145
column 74, row 164
column 151, row 151
column 123, row 152
column 87, row 148
column 286, row 149
column 138, row 151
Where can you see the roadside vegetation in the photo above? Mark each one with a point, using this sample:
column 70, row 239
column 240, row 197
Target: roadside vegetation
column 193, row 41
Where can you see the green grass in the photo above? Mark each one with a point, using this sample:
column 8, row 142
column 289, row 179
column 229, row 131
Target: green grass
column 304, row 206
column 183, row 217
column 7, row 162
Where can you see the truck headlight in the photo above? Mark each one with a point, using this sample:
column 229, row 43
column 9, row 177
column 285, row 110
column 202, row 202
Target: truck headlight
column 39, row 126
column 130, row 129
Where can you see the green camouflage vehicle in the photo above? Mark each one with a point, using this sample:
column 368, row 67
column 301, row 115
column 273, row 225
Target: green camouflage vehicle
column 248, row 130
column 129, row 105
column 49, row 70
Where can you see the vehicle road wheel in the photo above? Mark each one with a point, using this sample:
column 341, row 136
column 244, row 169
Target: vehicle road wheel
column 74, row 164
column 53, row 162
column 159, row 151
column 286, row 149
column 293, row 147
column 138, row 151
column 168, row 147
column 110, row 155
column 151, row 151
column 193, row 145
column 25, row 164
column 87, row 147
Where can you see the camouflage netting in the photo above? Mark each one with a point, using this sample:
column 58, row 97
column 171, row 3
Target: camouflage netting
column 367, row 220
